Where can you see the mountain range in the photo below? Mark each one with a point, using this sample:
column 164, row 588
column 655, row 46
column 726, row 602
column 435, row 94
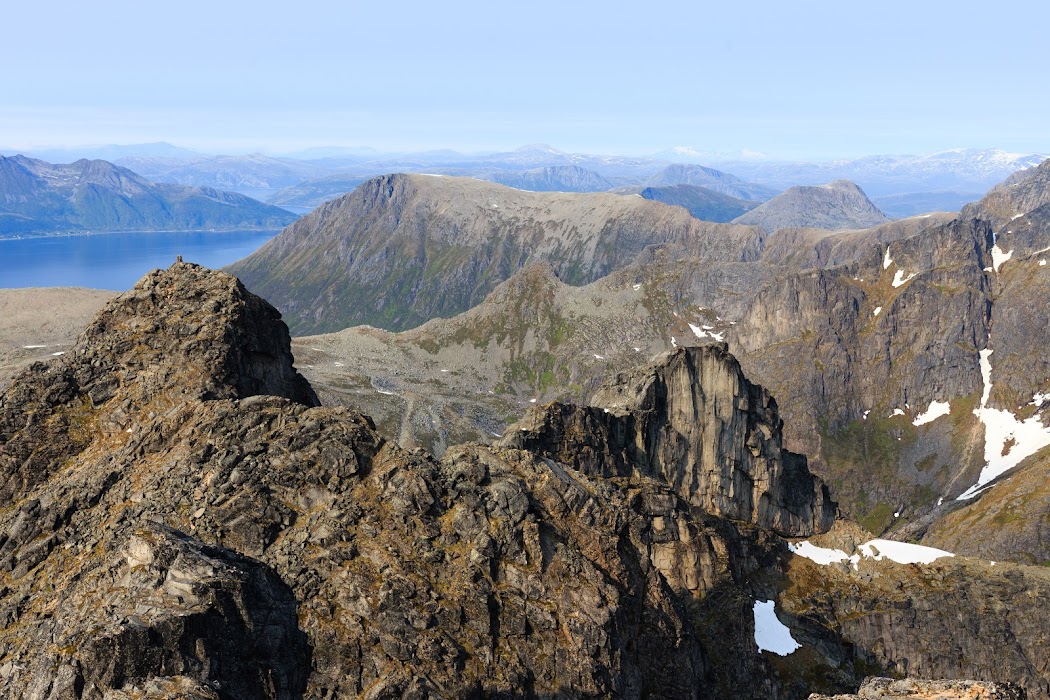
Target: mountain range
column 869, row 338
column 900, row 185
column 95, row 195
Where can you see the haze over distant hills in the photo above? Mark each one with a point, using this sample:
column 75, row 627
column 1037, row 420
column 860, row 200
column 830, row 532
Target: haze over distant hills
column 900, row 185
column 95, row 195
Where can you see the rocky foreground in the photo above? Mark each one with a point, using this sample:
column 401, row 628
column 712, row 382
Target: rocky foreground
column 180, row 519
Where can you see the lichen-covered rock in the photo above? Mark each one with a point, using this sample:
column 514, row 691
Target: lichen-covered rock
column 693, row 420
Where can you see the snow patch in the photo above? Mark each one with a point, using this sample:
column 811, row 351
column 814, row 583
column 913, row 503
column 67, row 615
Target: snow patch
column 385, row 393
column 999, row 257
column 57, row 354
column 820, row 555
column 878, row 310
column 674, row 343
column 897, row 412
column 899, row 280
column 935, row 411
column 1042, row 263
column 902, row 552
column 877, row 549
column 339, row 364
column 865, row 416
column 636, row 287
column 599, row 357
column 770, row 633
column 701, row 333
column 33, row 347
column 887, row 260
column 1000, row 428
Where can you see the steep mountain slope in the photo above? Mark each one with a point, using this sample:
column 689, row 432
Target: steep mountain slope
column 837, row 206
column 95, row 195
column 176, row 534
column 1011, row 520
column 701, row 202
column 402, row 249
column 715, row 180
column 1022, row 192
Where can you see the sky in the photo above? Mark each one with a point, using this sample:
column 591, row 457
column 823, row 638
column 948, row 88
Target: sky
column 788, row 79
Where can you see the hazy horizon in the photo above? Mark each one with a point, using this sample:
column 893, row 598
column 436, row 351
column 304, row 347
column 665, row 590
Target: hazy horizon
column 824, row 80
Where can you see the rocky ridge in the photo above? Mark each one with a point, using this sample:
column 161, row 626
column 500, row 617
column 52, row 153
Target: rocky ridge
column 144, row 556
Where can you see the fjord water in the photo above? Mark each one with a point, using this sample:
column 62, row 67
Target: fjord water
column 116, row 260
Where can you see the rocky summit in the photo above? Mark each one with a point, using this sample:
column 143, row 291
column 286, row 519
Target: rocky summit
column 180, row 519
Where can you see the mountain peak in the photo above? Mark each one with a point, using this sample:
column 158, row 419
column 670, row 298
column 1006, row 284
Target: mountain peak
column 181, row 334
column 839, row 205
column 670, row 420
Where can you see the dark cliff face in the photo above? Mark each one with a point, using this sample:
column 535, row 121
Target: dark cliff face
column 694, row 421
column 169, row 531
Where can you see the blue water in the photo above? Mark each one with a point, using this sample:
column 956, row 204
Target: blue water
column 116, row 260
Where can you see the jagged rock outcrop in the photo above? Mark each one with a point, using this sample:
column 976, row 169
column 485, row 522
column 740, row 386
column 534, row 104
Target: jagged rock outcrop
column 916, row 689
column 182, row 335
column 839, row 205
column 693, row 420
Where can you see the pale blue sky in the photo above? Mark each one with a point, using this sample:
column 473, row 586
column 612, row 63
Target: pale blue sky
column 792, row 79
